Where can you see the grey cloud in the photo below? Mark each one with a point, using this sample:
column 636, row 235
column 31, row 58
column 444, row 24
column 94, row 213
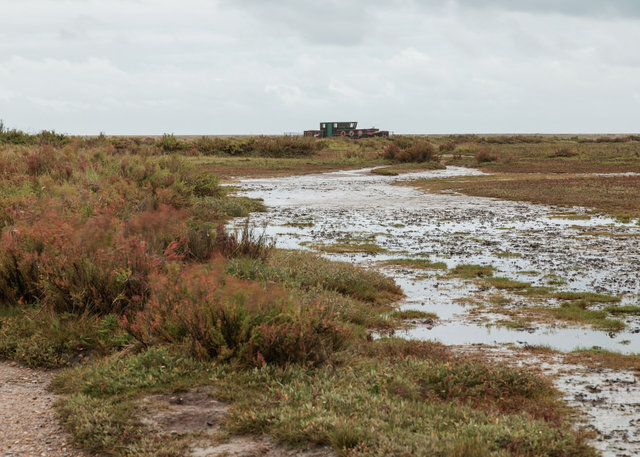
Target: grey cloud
column 592, row 8
column 328, row 22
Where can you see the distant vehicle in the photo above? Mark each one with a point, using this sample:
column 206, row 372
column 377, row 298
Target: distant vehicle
column 345, row 129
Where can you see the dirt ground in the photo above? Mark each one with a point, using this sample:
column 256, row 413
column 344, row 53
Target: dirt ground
column 199, row 414
column 28, row 425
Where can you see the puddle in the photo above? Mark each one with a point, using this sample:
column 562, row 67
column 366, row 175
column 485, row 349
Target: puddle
column 522, row 241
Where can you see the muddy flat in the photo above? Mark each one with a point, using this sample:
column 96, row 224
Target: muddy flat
column 547, row 252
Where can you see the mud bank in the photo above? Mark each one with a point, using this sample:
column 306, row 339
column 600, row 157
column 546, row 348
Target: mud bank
column 524, row 242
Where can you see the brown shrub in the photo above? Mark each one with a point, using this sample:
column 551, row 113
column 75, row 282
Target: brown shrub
column 219, row 317
column 485, row 155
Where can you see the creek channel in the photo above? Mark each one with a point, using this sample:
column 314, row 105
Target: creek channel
column 574, row 250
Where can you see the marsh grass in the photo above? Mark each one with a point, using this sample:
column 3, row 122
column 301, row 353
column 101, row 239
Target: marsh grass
column 623, row 310
column 389, row 397
column 469, row 271
column 422, row 264
column 506, row 283
column 305, row 270
column 400, row 168
column 42, row 338
column 616, row 195
column 589, row 297
column 602, row 358
column 301, row 223
column 409, row 314
column 350, row 247
column 576, row 312
column 385, row 171
column 507, row 254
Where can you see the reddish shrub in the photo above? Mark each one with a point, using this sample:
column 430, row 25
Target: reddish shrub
column 416, row 151
column 78, row 267
column 485, row 155
column 224, row 318
column 449, row 146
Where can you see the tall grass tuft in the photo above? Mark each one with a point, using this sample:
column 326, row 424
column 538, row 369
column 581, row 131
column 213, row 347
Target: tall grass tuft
column 243, row 243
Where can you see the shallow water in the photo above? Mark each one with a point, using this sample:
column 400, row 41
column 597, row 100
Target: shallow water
column 458, row 229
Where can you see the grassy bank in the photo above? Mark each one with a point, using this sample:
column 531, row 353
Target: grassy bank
column 546, row 169
column 616, row 195
column 388, row 397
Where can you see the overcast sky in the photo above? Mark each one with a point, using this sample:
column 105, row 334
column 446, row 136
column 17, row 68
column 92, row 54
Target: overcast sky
column 273, row 66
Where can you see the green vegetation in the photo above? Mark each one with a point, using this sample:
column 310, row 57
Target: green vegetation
column 468, row 271
column 624, row 310
column 499, row 300
column 301, row 223
column 388, row 397
column 423, row 264
column 352, row 247
column 407, row 314
column 589, row 297
column 576, row 312
column 506, row 283
column 385, row 171
column 308, row 271
column 507, row 254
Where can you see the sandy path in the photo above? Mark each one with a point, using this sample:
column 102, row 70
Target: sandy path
column 28, row 426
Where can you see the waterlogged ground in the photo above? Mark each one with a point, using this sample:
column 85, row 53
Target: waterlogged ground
column 542, row 245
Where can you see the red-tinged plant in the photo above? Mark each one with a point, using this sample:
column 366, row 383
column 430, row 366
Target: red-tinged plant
column 220, row 317
column 409, row 151
column 74, row 266
column 485, row 155
column 158, row 228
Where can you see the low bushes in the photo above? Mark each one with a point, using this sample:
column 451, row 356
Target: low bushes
column 485, row 155
column 262, row 146
column 564, row 151
column 18, row 137
column 400, row 150
column 224, row 318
